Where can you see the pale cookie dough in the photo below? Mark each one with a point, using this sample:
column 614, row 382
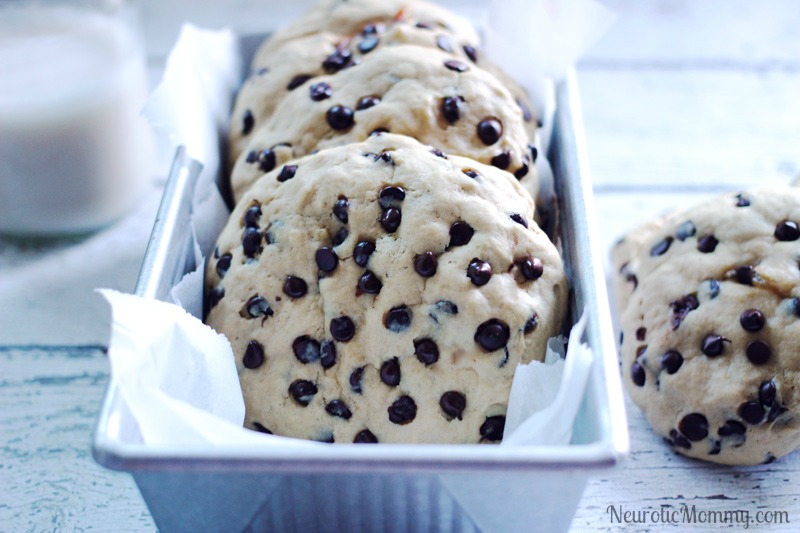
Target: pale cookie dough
column 424, row 93
column 710, row 318
column 384, row 292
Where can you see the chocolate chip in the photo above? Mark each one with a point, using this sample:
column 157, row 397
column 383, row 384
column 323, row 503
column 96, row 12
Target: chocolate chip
column 527, row 115
column 752, row 412
column 531, row 323
column 685, row 231
column 767, row 392
column 534, row 152
column 365, row 102
column 731, row 427
column 679, row 440
column 365, row 437
column 403, row 410
column 252, row 216
column 480, row 272
column 694, row 427
column 302, row 391
column 287, row 173
column 502, row 160
column 745, row 274
column 378, row 131
column 460, row 233
column 713, row 345
column 223, row 264
column 768, row 459
column 713, row 288
column 796, row 307
column 425, row 264
column 489, row 131
column 390, row 372
column 519, row 219
column 492, row 334
column 671, row 361
column 248, row 121
column 338, row 409
column 707, row 244
column 327, row 354
column 266, row 160
column 641, row 333
column 438, row 153
column 471, row 52
column 295, row 287
column 752, row 319
column 444, row 43
column 453, row 404
column 787, row 231
column 338, row 60
column 369, row 283
column 306, row 349
column 253, row 355
column 450, row 108
column 456, row 66
column 758, row 352
column 298, row 80
column 340, row 236
column 372, row 29
column 398, row 319
column 741, row 201
column 342, row 328
column 390, row 219
column 661, row 247
column 261, row 429
column 326, row 258
column 638, row 375
column 320, row 91
column 682, row 307
column 391, row 197
column 521, row 172
column 252, row 157
column 471, row 173
column 355, row 380
column 447, row 307
column 257, row 306
column 492, row 428
column 530, row 267
column 362, row 251
column 426, row 351
column 368, row 44
column 424, row 26
column 340, row 209
column 340, row 117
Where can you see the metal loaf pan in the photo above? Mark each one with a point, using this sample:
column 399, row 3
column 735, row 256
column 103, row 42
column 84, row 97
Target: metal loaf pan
column 390, row 487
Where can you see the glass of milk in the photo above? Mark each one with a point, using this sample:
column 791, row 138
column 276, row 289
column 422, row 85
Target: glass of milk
column 75, row 155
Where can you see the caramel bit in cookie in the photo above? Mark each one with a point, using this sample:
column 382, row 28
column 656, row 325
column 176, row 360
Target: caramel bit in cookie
column 489, row 130
column 295, row 287
column 398, row 319
column 502, row 160
column 342, row 328
column 340, row 117
column 521, row 172
column 492, row 428
column 472, row 53
column 287, row 173
column 752, row 320
column 266, row 160
column 248, row 121
column 339, row 59
column 444, row 43
column 456, row 66
column 369, row 283
column 767, row 392
column 256, row 306
column 320, row 91
column 787, row 231
column 355, row 380
column 707, row 244
column 531, row 323
column 745, row 274
column 637, row 374
column 306, row 349
column 338, row 409
column 731, row 427
column 368, row 44
column 391, row 197
column 741, row 201
column 390, row 372
column 492, row 334
column 471, row 173
column 530, row 267
column 390, row 219
column 682, row 307
column 671, row 361
column 223, row 264
column 251, row 242
column 661, row 247
column 365, row 102
column 297, row 81
column 403, row 410
column 261, row 428
column 451, row 108
column 427, row 351
column 460, row 233
column 676, row 439
column 453, row 404
column 327, row 354
column 694, row 427
column 479, row 272
column 340, row 209
column 253, row 355
column 519, row 219
column 216, row 294
column 362, row 251
column 251, row 216
column 685, row 230
column 340, row 236
column 752, row 412
column 302, row 391
column 326, row 258
column 758, row 352
column 713, row 345
column 365, row 437
column 425, row 264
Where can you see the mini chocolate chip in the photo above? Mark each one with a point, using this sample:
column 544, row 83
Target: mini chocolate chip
column 342, row 328
column 444, row 43
column 694, row 427
column 534, row 152
column 338, row 60
column 530, row 267
column 752, row 319
column 767, row 392
column 521, row 172
column 372, row 29
column 682, row 307
column 391, row 197
column 339, row 409
column 302, row 391
column 340, row 117
column 453, row 404
column 527, row 114
column 425, row 264
column 403, row 410
column 502, row 160
column 261, row 428
column 489, row 130
column 758, row 352
column 390, row 372
column 471, row 173
column 398, row 319
column 716, row 447
column 679, row 440
column 741, row 201
column 424, row 26
column 471, row 52
column 365, row 102
column 480, row 272
column 492, row 428
column 365, row 437
column 362, row 251
column 745, row 274
column 426, row 351
column 253, row 355
column 460, row 233
column 519, row 219
column 450, row 108
column 731, row 427
column 320, row 91
column 306, row 349
column 326, row 258
column 713, row 288
column 378, row 131
column 298, row 80
column 340, row 209
column 438, row 153
column 671, row 361
column 258, row 306
column 685, row 230
column 295, row 287
column 326, row 438
column 713, row 345
column 752, row 412
column 707, row 244
column 252, row 216
column 327, row 354
column 355, row 380
column 456, row 66
column 340, row 236
column 661, row 247
column 368, row 44
column 492, row 334
column 223, row 264
column 390, row 219
column 796, row 307
column 641, row 333
column 447, row 307
column 638, row 375
column 266, row 160
column 369, row 283
column 287, row 173
column 531, row 323
column 787, row 231
column 248, row 121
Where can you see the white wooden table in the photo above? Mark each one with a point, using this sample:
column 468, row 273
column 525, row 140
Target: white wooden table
column 683, row 99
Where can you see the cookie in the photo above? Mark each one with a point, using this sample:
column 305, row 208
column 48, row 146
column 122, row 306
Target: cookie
column 424, row 93
column 710, row 320
column 384, row 292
